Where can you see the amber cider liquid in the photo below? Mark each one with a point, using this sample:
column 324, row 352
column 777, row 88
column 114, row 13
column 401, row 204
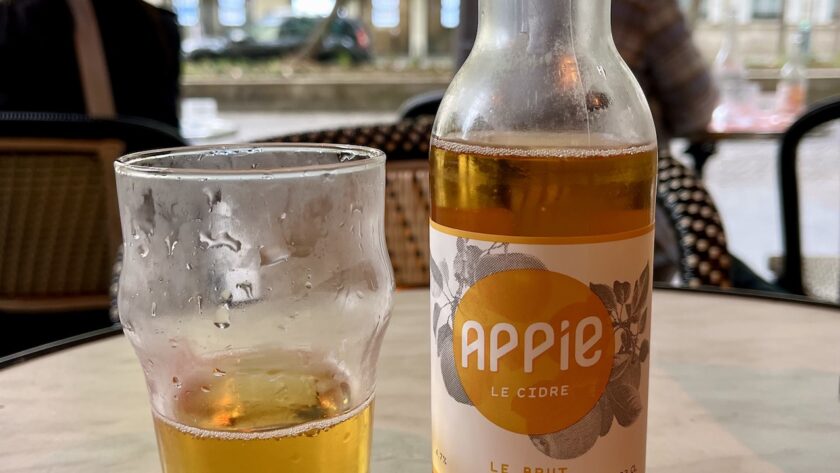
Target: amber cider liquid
column 526, row 184
column 247, row 416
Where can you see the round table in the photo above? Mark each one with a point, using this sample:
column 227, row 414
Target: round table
column 738, row 384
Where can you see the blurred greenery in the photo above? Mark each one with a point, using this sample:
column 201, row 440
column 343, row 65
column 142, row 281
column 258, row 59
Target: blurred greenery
column 287, row 68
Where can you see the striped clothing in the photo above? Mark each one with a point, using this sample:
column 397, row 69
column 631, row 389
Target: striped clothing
column 653, row 38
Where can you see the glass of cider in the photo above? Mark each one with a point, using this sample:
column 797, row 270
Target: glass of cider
column 255, row 289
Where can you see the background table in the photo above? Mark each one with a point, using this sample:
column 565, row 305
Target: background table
column 738, row 385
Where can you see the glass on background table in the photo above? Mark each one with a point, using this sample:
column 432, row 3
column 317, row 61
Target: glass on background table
column 739, row 385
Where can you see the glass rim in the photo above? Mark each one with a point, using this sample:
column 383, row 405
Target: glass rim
column 131, row 164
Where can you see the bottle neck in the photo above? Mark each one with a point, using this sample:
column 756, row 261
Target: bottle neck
column 545, row 25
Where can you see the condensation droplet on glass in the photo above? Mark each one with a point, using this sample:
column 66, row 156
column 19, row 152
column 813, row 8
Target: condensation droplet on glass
column 154, row 309
column 360, row 294
column 247, row 288
column 205, row 389
column 170, row 245
column 222, row 317
column 173, row 343
column 208, row 241
column 189, row 267
column 283, row 216
column 176, row 382
column 273, row 256
column 128, row 327
column 213, row 197
column 143, row 251
column 308, row 285
column 218, row 373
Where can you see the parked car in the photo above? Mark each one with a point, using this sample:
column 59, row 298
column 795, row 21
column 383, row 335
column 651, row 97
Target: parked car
column 273, row 37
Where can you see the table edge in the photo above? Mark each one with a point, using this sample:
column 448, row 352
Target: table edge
column 59, row 345
column 116, row 329
column 749, row 294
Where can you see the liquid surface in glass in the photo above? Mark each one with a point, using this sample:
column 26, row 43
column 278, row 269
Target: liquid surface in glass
column 245, row 415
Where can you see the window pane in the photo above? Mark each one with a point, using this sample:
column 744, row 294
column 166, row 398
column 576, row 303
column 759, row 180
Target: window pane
column 312, row 7
column 767, row 8
column 385, row 13
column 187, row 12
column 450, row 13
column 232, row 12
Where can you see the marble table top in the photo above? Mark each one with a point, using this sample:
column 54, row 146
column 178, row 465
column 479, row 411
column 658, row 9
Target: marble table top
column 738, row 385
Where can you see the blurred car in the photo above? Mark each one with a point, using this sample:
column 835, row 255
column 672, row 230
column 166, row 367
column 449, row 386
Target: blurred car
column 273, row 37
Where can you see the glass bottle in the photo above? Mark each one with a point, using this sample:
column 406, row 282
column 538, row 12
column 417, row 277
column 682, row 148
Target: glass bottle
column 792, row 90
column 543, row 168
column 731, row 76
column 729, row 65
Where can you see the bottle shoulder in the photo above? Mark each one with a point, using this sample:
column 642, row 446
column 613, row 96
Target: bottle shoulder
column 572, row 94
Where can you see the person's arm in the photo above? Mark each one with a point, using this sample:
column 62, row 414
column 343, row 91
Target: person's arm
column 680, row 76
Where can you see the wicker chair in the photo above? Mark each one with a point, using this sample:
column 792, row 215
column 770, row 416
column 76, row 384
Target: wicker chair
column 59, row 222
column 702, row 253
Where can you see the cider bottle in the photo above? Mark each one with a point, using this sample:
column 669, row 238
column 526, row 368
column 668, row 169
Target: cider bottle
column 543, row 170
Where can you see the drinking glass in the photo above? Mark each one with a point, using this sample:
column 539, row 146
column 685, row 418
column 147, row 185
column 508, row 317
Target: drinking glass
column 256, row 289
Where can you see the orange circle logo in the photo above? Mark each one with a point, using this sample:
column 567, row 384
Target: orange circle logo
column 534, row 349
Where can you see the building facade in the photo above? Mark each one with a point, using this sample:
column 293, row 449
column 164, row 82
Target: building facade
column 420, row 29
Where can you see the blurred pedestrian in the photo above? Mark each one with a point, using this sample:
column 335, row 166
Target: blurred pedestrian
column 130, row 68
column 654, row 39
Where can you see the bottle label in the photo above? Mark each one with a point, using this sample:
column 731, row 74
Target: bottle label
column 540, row 352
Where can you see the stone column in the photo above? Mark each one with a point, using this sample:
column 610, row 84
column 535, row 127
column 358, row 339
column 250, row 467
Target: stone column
column 823, row 11
column 208, row 12
column 418, row 30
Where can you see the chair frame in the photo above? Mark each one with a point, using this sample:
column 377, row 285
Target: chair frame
column 824, row 112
